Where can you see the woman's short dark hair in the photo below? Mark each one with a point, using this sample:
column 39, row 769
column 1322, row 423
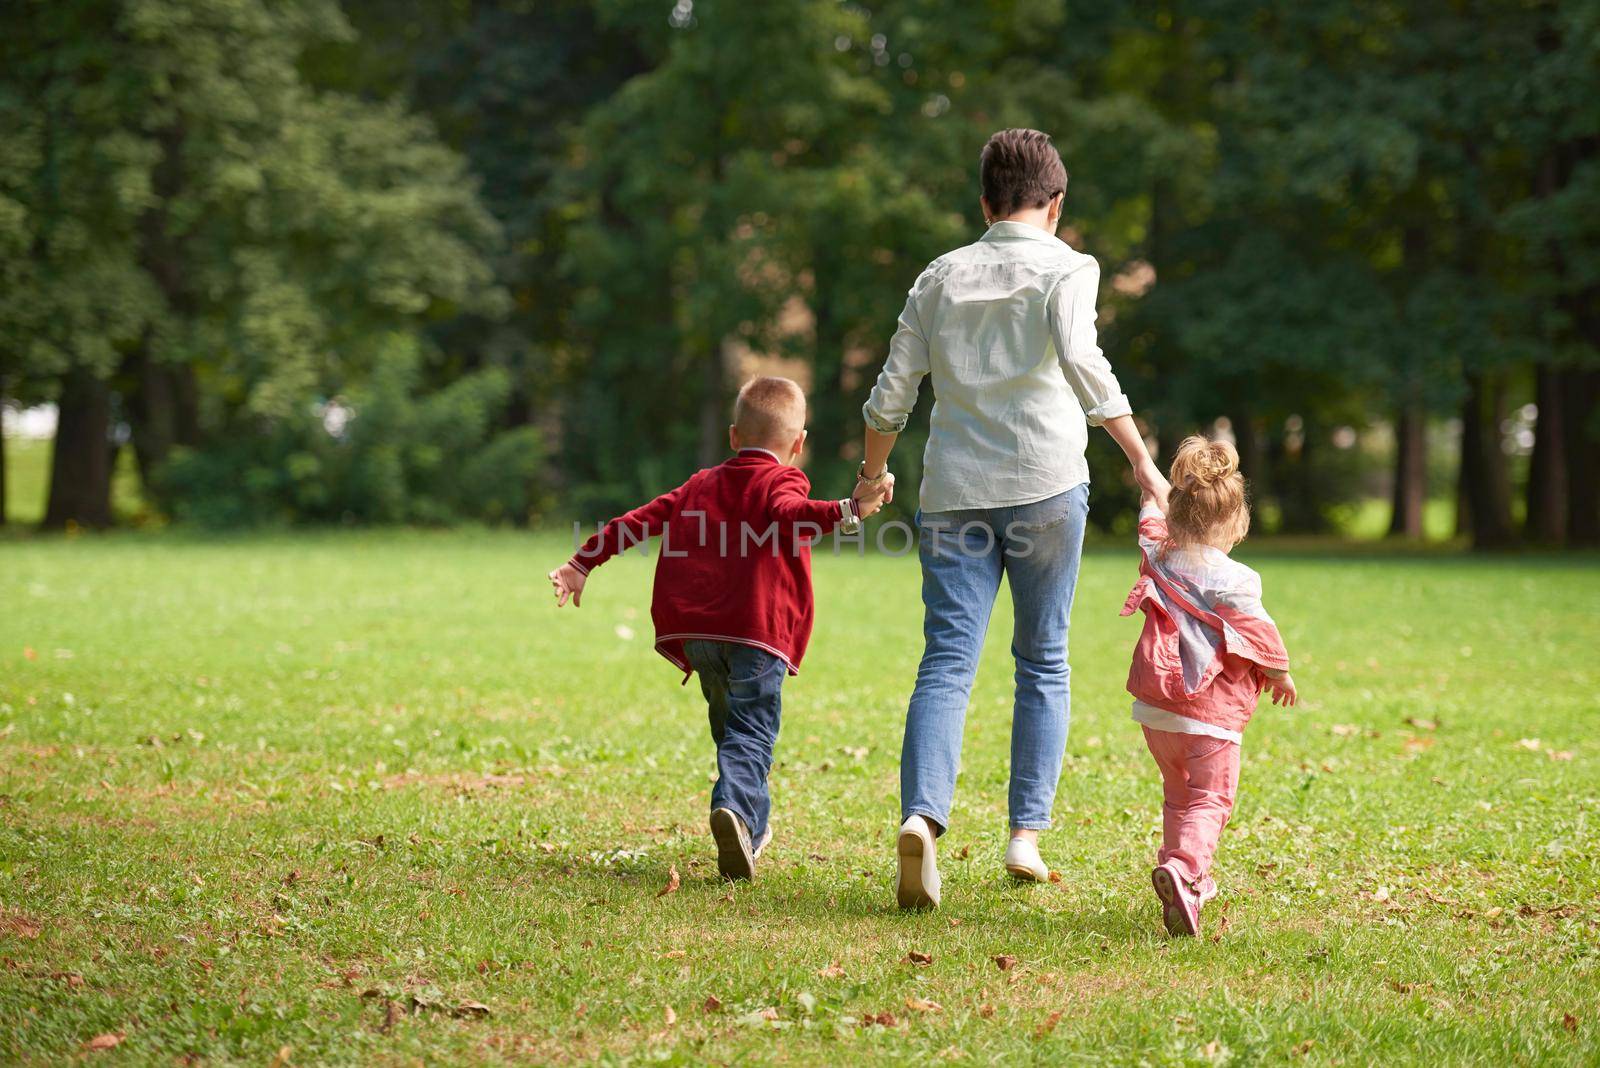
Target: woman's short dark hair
column 1020, row 169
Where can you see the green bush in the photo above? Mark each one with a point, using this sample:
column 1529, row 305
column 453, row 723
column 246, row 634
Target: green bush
column 385, row 453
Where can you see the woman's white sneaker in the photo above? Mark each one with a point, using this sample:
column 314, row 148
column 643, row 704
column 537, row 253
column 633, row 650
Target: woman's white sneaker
column 1024, row 863
column 917, row 884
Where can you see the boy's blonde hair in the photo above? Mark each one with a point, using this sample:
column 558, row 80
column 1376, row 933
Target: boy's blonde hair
column 1208, row 505
column 770, row 411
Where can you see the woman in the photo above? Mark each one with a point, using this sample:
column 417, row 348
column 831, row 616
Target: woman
column 1005, row 329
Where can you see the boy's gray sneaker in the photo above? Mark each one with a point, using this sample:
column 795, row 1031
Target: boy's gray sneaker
column 766, row 840
column 736, row 859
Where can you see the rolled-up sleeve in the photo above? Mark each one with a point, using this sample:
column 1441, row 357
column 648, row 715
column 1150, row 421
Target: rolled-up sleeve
column 895, row 394
column 1072, row 315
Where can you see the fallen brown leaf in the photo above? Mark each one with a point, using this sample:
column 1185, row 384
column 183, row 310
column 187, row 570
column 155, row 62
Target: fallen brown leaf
column 711, row 1004
column 963, row 853
column 916, row 1004
column 20, row 926
column 109, row 1040
column 1055, row 877
column 670, row 1015
column 30, row 653
column 832, row 971
column 391, row 1015
column 986, row 1010
column 1302, row 1048
column 882, row 1019
column 673, row 882
column 1569, row 1021
column 1048, row 1025
column 1422, row 724
column 1004, row 961
column 917, row 957
column 674, row 954
column 470, row 1009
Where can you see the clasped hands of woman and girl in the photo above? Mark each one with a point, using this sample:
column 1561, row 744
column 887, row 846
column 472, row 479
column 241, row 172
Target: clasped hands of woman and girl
column 1004, row 328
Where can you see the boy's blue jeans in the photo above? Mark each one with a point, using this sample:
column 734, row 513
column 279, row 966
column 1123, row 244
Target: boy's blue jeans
column 743, row 686
column 964, row 554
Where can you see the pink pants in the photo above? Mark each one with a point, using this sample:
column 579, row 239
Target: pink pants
column 1200, row 776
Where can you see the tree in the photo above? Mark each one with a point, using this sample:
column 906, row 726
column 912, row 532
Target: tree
column 198, row 214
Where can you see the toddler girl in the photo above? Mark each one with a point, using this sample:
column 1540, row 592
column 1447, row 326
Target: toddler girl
column 1207, row 649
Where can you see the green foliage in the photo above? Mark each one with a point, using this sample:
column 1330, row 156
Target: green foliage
column 385, row 453
column 1318, row 215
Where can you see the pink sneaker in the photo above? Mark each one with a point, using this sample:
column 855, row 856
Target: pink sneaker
column 1180, row 904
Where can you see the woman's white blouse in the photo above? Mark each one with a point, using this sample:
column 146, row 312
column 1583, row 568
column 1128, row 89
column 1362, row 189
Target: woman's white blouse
column 1005, row 329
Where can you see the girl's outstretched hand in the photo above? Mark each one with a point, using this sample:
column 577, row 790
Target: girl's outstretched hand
column 568, row 582
column 1282, row 686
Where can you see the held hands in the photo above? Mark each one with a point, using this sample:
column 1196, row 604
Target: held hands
column 568, row 582
column 870, row 495
column 1153, row 485
column 1281, row 684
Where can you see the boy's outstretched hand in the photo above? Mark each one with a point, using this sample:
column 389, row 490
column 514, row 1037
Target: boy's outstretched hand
column 568, row 582
column 1281, row 684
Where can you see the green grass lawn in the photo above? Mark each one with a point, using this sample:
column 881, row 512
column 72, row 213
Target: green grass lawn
column 316, row 798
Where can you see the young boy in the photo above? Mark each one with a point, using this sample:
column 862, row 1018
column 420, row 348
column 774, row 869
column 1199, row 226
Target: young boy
column 732, row 596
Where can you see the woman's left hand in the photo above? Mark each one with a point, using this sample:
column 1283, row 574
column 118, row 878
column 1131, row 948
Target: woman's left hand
column 1152, row 483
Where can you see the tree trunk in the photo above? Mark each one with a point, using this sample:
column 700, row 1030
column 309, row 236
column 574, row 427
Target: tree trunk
column 1252, row 446
column 1298, row 490
column 81, row 460
column 835, row 408
column 1547, row 472
column 1581, row 422
column 714, row 414
column 2, row 455
column 163, row 410
column 152, row 415
column 1485, row 480
column 1410, row 471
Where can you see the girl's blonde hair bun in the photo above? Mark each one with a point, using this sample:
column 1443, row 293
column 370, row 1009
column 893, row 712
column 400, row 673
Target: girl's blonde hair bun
column 1202, row 462
column 1208, row 504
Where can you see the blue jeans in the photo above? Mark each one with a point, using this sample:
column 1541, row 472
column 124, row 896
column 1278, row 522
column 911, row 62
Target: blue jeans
column 964, row 554
column 743, row 687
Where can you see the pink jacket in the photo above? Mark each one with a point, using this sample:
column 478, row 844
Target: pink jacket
column 1206, row 637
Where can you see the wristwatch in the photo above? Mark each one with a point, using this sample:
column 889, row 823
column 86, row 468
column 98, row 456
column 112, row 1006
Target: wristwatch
column 849, row 518
column 861, row 474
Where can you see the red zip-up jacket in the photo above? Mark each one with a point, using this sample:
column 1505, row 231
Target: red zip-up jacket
column 734, row 562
